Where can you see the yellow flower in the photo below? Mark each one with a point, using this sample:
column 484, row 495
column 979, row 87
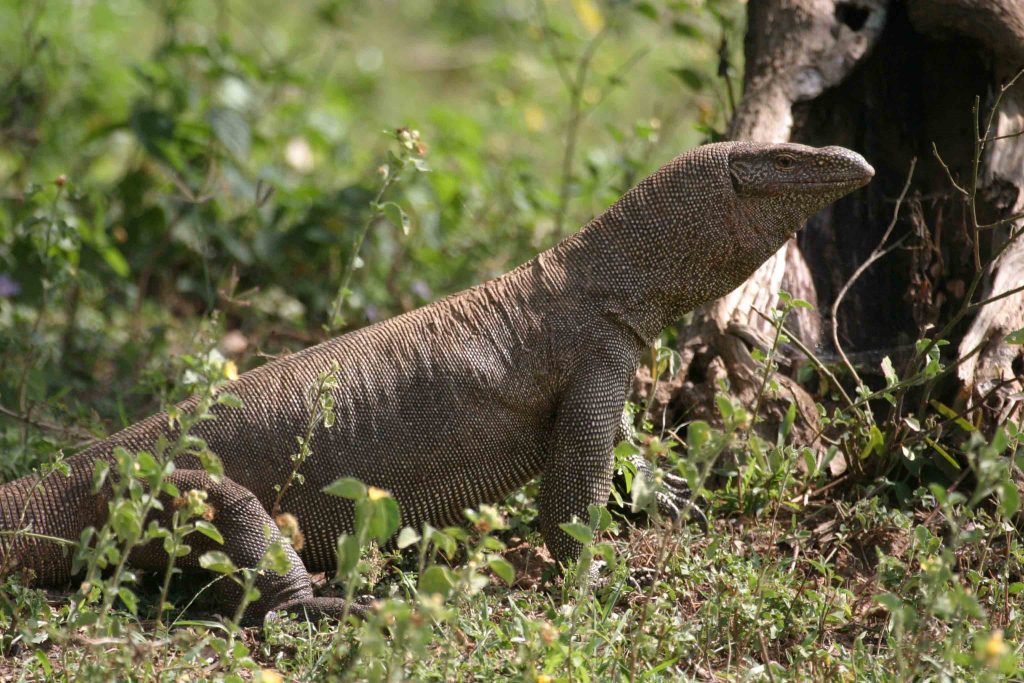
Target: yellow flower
column 289, row 526
column 534, row 118
column 231, row 370
column 374, row 493
column 995, row 646
column 589, row 15
column 544, row 678
column 269, row 676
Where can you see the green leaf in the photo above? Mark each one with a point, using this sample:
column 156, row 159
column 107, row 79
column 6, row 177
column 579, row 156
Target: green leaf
column 690, row 77
column 725, row 407
column 230, row 400
column 115, row 259
column 643, row 495
column 579, row 532
column 951, row 414
column 44, row 662
column 889, row 372
column 129, row 599
column 100, row 470
column 153, row 129
column 217, row 561
column 625, row 450
column 350, row 488
column 398, row 217
column 1015, row 337
column 407, row 537
column 444, row 542
column 698, row 433
column 146, row 465
column 943, row 452
column 1009, row 498
column 348, row 552
column 232, row 130
column 125, row 520
column 787, row 423
column 503, row 568
column 800, row 303
column 1000, row 440
column 384, row 520
column 682, row 28
column 436, row 579
column 600, row 518
column 211, row 463
column 209, row 530
column 889, row 601
column 646, row 9
column 875, row 442
column 276, row 559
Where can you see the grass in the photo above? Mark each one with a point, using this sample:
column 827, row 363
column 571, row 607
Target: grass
column 220, row 187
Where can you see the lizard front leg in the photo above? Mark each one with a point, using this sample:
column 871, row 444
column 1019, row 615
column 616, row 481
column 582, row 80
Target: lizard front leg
column 578, row 472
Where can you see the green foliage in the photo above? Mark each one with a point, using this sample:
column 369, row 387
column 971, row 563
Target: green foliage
column 190, row 174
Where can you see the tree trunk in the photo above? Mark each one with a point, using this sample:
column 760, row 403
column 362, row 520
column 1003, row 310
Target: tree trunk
column 888, row 79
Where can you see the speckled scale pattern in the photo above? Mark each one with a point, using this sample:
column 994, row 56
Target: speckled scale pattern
column 463, row 401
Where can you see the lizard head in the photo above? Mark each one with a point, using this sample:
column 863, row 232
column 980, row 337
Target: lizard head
column 779, row 186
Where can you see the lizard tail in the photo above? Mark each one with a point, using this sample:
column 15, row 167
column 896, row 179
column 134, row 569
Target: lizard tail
column 41, row 517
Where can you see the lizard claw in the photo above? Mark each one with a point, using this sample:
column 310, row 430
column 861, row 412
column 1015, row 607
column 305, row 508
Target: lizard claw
column 642, row 577
column 673, row 495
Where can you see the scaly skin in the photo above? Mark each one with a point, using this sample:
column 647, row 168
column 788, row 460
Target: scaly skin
column 463, row 401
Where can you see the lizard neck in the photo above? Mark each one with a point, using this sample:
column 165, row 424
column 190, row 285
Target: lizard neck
column 660, row 251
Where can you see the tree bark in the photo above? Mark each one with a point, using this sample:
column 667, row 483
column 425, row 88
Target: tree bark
column 887, row 78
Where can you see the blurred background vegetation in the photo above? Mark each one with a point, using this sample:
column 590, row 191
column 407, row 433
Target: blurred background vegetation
column 163, row 160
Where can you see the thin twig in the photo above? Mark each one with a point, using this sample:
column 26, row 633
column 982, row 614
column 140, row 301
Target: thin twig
column 1004, row 137
column 879, row 252
column 572, row 129
column 963, row 413
column 38, row 423
column 1003, row 295
column 1000, row 223
column 357, row 244
column 971, row 200
column 949, row 174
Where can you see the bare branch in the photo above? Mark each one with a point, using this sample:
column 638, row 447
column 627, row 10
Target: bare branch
column 949, row 174
column 880, row 251
column 1003, row 295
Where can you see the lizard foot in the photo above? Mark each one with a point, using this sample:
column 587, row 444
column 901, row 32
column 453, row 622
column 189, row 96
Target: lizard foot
column 674, row 501
column 672, row 494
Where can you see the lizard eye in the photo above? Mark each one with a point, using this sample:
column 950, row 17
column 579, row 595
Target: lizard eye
column 785, row 162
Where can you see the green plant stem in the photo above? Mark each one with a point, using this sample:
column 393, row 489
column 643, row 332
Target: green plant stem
column 43, row 306
column 357, row 245
column 315, row 414
column 165, row 585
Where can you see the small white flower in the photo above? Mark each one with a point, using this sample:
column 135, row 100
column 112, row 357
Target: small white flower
column 299, row 155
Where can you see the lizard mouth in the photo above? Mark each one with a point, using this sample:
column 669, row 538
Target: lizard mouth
column 846, row 183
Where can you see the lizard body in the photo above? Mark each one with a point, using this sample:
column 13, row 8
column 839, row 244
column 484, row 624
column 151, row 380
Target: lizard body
column 463, row 401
